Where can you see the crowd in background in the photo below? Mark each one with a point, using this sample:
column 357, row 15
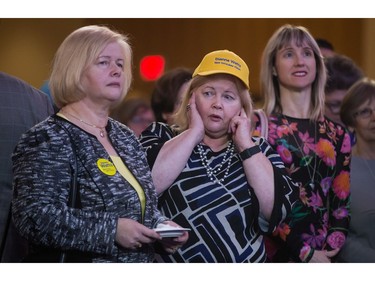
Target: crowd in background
column 91, row 175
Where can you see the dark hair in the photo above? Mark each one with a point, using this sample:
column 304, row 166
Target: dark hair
column 361, row 92
column 323, row 43
column 342, row 73
column 164, row 95
column 125, row 111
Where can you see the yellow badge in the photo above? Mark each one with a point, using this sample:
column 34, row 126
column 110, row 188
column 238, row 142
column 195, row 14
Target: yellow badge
column 106, row 167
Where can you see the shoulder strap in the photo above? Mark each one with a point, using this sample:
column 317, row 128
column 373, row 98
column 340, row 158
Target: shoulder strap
column 263, row 122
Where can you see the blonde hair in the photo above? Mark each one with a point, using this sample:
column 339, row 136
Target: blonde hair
column 81, row 48
column 270, row 84
column 181, row 118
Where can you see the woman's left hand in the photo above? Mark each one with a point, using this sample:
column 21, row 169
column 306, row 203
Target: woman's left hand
column 171, row 245
column 240, row 128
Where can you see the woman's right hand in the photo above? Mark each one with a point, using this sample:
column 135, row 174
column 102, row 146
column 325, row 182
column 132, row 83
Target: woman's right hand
column 323, row 256
column 131, row 234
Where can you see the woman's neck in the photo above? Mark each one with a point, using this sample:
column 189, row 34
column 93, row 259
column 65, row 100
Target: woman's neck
column 216, row 144
column 296, row 104
column 88, row 113
column 364, row 150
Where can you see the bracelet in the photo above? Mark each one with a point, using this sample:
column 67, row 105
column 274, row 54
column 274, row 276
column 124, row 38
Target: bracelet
column 247, row 153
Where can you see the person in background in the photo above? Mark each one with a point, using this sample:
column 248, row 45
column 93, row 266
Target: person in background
column 167, row 94
column 315, row 151
column 211, row 175
column 135, row 113
column 326, row 48
column 116, row 210
column 22, row 106
column 358, row 113
column 45, row 89
column 342, row 73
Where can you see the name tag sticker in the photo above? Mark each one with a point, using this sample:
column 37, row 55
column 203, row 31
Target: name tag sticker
column 106, row 167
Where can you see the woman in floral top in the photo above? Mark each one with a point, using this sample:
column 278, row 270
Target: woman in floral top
column 315, row 150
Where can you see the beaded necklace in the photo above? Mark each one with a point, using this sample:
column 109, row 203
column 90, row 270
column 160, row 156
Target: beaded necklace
column 213, row 173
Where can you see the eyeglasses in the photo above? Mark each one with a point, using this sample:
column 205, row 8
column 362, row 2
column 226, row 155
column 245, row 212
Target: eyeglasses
column 364, row 113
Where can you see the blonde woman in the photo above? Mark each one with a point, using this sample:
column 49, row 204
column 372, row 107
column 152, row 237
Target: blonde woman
column 315, row 150
column 115, row 213
column 211, row 175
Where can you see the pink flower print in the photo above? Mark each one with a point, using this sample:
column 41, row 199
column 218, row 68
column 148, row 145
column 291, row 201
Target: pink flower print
column 282, row 130
column 340, row 213
column 326, row 151
column 282, row 231
column 326, row 184
column 290, row 127
column 336, row 239
column 307, row 142
column 341, row 185
column 315, row 240
column 346, row 146
column 285, row 154
column 322, row 128
column 315, row 201
column 272, row 133
column 304, row 253
column 292, row 169
column 347, row 160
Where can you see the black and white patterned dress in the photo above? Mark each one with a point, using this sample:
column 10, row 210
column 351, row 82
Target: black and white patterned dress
column 224, row 217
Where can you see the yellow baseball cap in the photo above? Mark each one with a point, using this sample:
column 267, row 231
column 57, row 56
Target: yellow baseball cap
column 223, row 61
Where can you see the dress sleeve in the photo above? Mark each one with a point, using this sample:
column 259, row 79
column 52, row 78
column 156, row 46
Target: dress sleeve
column 42, row 177
column 329, row 230
column 339, row 197
column 286, row 190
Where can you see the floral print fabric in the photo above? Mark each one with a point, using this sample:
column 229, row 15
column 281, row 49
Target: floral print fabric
column 317, row 157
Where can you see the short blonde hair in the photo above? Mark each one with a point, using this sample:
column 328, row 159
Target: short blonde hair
column 81, row 48
column 270, row 84
column 181, row 118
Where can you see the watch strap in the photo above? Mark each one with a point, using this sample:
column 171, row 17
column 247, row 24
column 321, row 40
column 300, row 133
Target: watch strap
column 248, row 152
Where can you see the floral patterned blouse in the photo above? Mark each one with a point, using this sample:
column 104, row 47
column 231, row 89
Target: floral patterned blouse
column 316, row 156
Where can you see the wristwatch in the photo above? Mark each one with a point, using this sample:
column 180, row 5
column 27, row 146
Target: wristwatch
column 248, row 152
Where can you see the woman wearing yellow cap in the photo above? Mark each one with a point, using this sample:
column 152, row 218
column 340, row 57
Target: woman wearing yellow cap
column 211, row 175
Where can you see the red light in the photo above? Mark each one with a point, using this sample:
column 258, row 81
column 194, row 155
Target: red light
column 152, row 67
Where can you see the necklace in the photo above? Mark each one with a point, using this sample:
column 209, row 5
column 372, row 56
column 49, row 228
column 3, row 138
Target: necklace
column 212, row 173
column 101, row 129
column 307, row 159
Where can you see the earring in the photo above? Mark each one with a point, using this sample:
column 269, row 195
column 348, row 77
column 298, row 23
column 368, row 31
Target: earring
column 274, row 73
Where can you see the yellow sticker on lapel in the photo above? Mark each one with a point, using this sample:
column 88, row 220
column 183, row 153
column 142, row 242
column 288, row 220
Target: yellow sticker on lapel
column 106, row 167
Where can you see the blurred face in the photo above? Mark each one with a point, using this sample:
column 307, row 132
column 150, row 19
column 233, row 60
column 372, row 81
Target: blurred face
column 295, row 67
column 333, row 101
column 169, row 117
column 218, row 101
column 327, row 52
column 365, row 122
column 103, row 79
column 143, row 117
